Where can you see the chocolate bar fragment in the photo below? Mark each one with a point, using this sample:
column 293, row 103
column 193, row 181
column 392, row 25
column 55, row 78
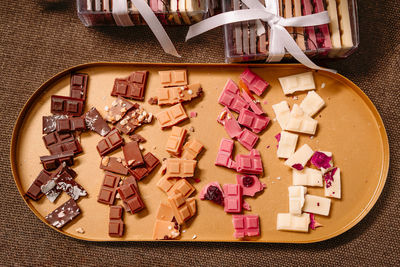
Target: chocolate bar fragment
column 138, row 138
column 134, row 119
column 118, row 109
column 95, row 122
column 78, row 85
column 113, row 164
column 49, row 123
column 34, row 191
column 150, row 162
column 173, row 78
column 53, row 161
column 57, row 143
column 66, row 105
column 111, row 142
column 70, row 125
column 63, row 214
column 108, row 189
column 133, row 155
column 116, row 225
column 131, row 198
column 132, row 87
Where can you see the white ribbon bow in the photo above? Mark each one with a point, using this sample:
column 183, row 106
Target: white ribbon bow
column 280, row 39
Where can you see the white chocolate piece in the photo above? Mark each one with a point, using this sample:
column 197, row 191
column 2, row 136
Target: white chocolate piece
column 282, row 113
column 333, row 27
column 299, row 121
column 182, row 11
column 345, row 25
column 312, row 103
column 97, row 5
column 329, row 154
column 195, row 9
column 290, row 222
column 287, row 144
column 296, row 199
column 298, row 82
column 334, row 190
column 317, row 205
column 89, row 4
column 301, row 156
column 174, row 11
column 307, row 177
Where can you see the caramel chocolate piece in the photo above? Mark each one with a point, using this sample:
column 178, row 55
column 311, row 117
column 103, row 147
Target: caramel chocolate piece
column 183, row 187
column 171, row 116
column 183, row 208
column 113, row 164
column 175, row 95
column 116, row 225
column 191, row 149
column 132, row 87
column 175, row 140
column 138, row 138
column 133, row 155
column 173, row 78
column 111, row 142
column 180, row 167
column 131, row 198
column 164, row 230
column 119, row 107
column 165, row 212
column 70, row 125
column 53, row 161
column 49, row 123
column 63, row 214
column 95, row 122
column 78, row 85
column 66, row 105
column 135, row 118
column 150, row 163
column 34, row 192
column 108, row 188
column 62, row 142
column 166, row 183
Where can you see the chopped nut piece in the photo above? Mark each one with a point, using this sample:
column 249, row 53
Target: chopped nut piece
column 105, row 160
column 106, row 108
column 119, row 160
column 194, row 237
column 114, row 103
column 80, row 230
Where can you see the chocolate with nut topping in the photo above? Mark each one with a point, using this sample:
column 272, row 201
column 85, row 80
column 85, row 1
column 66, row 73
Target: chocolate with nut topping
column 134, row 119
column 113, row 164
column 133, row 155
column 95, row 122
column 119, row 107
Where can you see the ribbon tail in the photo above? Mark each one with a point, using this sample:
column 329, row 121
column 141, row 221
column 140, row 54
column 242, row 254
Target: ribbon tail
column 156, row 27
column 295, row 51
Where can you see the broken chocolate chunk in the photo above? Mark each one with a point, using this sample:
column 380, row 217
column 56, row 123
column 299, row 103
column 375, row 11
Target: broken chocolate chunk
column 63, row 214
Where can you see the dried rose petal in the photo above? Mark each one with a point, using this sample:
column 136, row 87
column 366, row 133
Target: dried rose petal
column 321, row 160
column 313, row 223
column 297, row 166
column 328, row 177
column 248, row 181
column 278, row 138
column 215, row 195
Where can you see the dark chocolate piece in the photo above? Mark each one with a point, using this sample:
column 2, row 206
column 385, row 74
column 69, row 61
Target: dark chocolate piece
column 34, row 191
column 53, row 161
column 66, row 105
column 132, row 87
column 136, row 117
column 50, row 123
column 131, row 198
column 63, row 214
column 111, row 142
column 78, row 85
column 151, row 163
column 70, row 125
column 138, row 138
column 119, row 107
column 133, row 155
column 113, row 164
column 95, row 122
column 62, row 142
column 108, row 188
column 116, row 225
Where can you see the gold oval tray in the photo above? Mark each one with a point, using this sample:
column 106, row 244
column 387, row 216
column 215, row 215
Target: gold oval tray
column 349, row 126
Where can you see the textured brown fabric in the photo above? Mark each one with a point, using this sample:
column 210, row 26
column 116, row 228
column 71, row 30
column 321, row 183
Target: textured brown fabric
column 39, row 39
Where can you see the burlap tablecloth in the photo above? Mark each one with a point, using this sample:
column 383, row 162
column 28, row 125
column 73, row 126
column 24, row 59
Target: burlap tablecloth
column 39, row 39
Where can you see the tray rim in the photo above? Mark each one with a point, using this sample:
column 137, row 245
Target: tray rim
column 374, row 198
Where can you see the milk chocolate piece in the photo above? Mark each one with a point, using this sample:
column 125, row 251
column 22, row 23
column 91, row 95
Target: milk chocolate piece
column 70, row 125
column 63, row 214
column 133, row 155
column 108, row 188
column 138, row 138
column 131, row 198
column 78, row 85
column 173, row 78
column 34, row 191
column 49, row 123
column 66, row 105
column 132, row 87
column 135, row 118
column 53, row 161
column 116, row 225
column 150, row 162
column 95, row 122
column 119, row 107
column 113, row 164
column 62, row 142
column 183, row 209
column 111, row 142
column 171, row 116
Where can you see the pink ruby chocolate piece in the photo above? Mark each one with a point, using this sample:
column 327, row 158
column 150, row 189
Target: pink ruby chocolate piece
column 233, row 198
column 250, row 184
column 254, row 82
column 246, row 225
column 230, row 97
column 255, row 122
column 250, row 164
column 248, row 139
column 224, row 153
column 256, row 107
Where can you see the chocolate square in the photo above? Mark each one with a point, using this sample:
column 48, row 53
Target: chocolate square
column 58, row 105
column 63, row 125
column 77, row 80
column 102, row 146
column 115, row 212
column 126, row 191
column 105, row 195
column 50, row 139
column 109, row 180
column 72, row 107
